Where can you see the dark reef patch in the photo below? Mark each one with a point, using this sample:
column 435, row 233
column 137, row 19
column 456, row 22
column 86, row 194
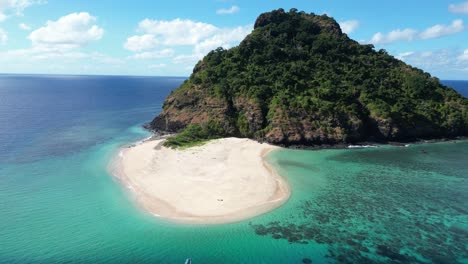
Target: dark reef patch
column 388, row 210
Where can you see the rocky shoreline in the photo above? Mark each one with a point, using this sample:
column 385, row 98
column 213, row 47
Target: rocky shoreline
column 159, row 134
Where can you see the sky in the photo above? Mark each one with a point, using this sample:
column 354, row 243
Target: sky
column 167, row 38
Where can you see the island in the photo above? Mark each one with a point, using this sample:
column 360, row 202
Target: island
column 296, row 80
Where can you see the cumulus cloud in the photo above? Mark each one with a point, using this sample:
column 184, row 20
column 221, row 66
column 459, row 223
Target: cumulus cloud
column 24, row 26
column 223, row 38
column 143, row 42
column 68, row 32
column 58, row 46
column 442, row 30
column 3, row 37
column 393, row 36
column 159, row 39
column 177, row 31
column 461, row 8
column 409, row 34
column 183, row 32
column 15, row 7
column 60, row 39
column 227, row 11
column 349, row 26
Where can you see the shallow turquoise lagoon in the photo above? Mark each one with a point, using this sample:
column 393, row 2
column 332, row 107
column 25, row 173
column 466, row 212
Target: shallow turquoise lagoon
column 59, row 204
column 405, row 204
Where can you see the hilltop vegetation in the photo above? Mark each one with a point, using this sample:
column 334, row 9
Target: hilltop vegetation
column 297, row 79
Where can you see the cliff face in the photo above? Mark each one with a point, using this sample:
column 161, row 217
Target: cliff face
column 297, row 79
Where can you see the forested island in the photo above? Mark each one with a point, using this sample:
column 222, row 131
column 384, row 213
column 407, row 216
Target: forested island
column 297, row 79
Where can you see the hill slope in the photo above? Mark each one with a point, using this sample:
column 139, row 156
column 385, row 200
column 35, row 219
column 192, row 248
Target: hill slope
column 297, row 79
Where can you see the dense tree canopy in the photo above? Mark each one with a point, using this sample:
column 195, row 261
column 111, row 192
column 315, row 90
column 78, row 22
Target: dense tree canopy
column 297, row 79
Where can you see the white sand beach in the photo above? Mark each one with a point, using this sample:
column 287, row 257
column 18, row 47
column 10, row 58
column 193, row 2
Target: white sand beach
column 225, row 180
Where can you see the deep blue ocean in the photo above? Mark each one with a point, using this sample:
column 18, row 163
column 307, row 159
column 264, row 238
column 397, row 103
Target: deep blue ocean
column 460, row 86
column 59, row 204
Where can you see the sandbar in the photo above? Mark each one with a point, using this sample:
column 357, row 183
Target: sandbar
column 225, row 180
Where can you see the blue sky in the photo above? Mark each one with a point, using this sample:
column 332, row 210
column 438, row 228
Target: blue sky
column 168, row 37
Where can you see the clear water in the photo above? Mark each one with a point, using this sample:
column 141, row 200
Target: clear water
column 408, row 204
column 58, row 202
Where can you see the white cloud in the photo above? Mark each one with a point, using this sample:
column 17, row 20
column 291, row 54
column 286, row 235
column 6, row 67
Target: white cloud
column 163, row 39
column 461, row 8
column 189, row 59
column 61, row 40
column 224, row 11
column 58, row 47
column 440, row 62
column 442, row 30
column 24, row 26
column 177, row 31
column 403, row 55
column 15, row 7
column 3, row 37
column 157, row 66
column 68, row 32
column 464, row 56
column 165, row 53
column 393, row 36
column 409, row 34
column 429, row 59
column 349, row 26
column 140, row 43
column 223, row 38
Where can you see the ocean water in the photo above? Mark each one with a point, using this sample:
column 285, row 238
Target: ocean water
column 58, row 202
column 460, row 86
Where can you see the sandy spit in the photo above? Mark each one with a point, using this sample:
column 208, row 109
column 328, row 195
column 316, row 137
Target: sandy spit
column 225, row 180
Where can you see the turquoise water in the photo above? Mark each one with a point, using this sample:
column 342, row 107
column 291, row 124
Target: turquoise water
column 406, row 204
column 58, row 202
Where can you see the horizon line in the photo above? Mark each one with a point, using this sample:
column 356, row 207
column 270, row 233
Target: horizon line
column 122, row 75
column 89, row 75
